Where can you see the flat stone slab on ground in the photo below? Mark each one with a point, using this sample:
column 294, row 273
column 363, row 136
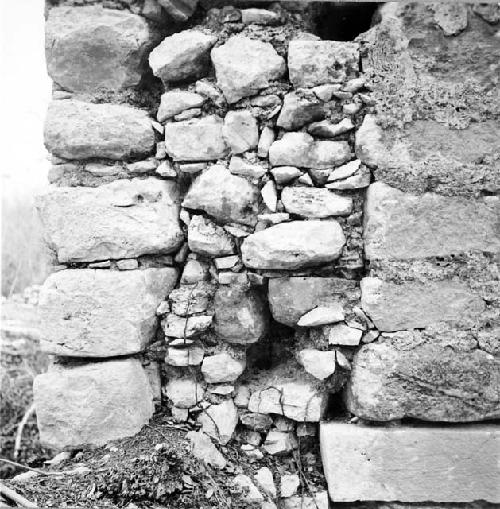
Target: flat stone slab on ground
column 92, row 404
column 411, row 464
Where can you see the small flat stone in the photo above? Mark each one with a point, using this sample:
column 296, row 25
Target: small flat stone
column 266, row 139
column 219, row 421
column 326, row 129
column 279, row 443
column 320, row 364
column 347, row 170
column 270, row 195
column 184, row 392
column 341, row 334
column 264, row 480
column 289, row 484
column 315, row 203
column 240, row 131
column 322, row 315
column 178, row 327
column 251, row 494
column 221, row 368
column 203, row 449
column 259, row 17
column 174, row 102
column 239, row 166
column 179, row 10
column 284, row 174
column 207, row 238
column 358, row 181
column 298, row 111
column 182, row 357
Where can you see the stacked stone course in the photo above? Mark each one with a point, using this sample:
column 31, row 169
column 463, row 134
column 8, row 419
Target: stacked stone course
column 266, row 233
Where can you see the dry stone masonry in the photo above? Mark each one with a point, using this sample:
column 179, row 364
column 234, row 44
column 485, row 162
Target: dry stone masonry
column 281, row 240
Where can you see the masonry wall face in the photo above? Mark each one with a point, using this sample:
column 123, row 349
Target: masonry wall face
column 254, row 219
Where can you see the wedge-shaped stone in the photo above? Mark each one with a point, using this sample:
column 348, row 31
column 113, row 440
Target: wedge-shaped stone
column 405, row 226
column 411, row 464
column 179, row 10
column 315, row 202
column 409, row 375
column 91, row 48
column 79, row 130
column 226, row 197
column 243, row 66
column 123, row 219
column 102, row 313
column 292, row 297
column 294, row 245
column 312, row 63
column 413, row 305
column 91, row 404
column 196, row 140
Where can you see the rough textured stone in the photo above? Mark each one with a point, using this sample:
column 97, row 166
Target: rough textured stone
column 300, row 149
column 293, row 245
column 207, row 238
column 405, row 226
column 176, row 101
column 240, row 131
column 325, row 129
column 221, row 368
column 226, row 197
column 358, row 181
column 80, row 130
column 289, row 484
column 292, row 297
column 179, row 327
column 298, row 111
column 408, row 375
column 279, row 443
column 184, row 392
column 341, row 334
column 182, row 56
column 452, row 18
column 410, row 464
column 411, row 305
column 284, row 174
column 191, row 299
column 259, row 17
column 102, row 313
column 239, row 166
column 315, row 203
column 182, row 357
column 219, row 421
column 317, row 363
column 196, row 139
column 203, row 449
column 123, row 219
column 91, row 404
column 244, row 66
column 322, row 315
column 319, row 501
column 179, row 10
column 312, row 63
column 251, row 493
column 91, row 48
column 241, row 316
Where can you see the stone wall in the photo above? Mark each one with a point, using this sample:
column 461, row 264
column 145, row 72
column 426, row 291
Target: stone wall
column 261, row 230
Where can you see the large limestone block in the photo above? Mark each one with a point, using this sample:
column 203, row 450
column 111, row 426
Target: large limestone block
column 424, row 378
column 196, row 140
column 91, row 404
column 292, row 297
column 123, row 219
column 294, row 245
column 312, row 63
column 182, row 56
column 411, row 464
column 102, row 313
column 91, row 48
column 414, row 305
column 226, row 197
column 241, row 317
column 405, row 226
column 79, row 130
column 243, row 66
column 315, row 202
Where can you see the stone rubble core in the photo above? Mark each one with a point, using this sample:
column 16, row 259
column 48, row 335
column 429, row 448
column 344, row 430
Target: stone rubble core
column 262, row 229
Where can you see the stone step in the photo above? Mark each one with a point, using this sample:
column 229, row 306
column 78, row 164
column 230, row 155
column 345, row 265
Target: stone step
column 411, row 464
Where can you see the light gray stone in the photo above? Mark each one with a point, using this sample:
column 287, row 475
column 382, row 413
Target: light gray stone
column 203, row 449
column 322, row 315
column 80, row 130
column 448, row 464
column 184, row 392
column 91, row 48
column 239, row 166
column 264, row 480
column 284, row 174
column 279, row 443
column 179, row 10
column 92, row 404
column 184, row 328
column 244, row 66
column 450, row 17
column 259, row 17
column 226, row 197
column 345, row 171
column 209, row 239
column 312, row 63
column 191, row 299
column 221, row 368
column 358, row 181
column 176, row 101
column 325, row 129
column 219, row 421
column 266, row 139
column 289, row 484
column 240, row 131
column 298, row 111
column 182, row 357
column 315, row 202
column 101, row 313
column 341, row 334
column 293, row 245
column 251, row 494
column 182, row 56
column 300, row 149
column 196, row 139
column 320, row 364
column 319, row 501
column 270, row 195
column 123, row 219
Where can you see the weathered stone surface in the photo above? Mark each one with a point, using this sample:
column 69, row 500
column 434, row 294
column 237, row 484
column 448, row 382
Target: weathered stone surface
column 289, row 484
column 294, row 245
column 319, row 501
column 182, row 56
column 250, row 492
column 176, row 101
column 191, row 299
column 270, row 195
column 91, row 404
column 452, row 18
column 325, row 129
column 300, row 149
column 298, row 111
column 196, row 139
column 189, row 356
column 239, row 166
column 179, row 327
column 345, row 171
column 405, row 226
column 244, row 66
column 219, row 421
column 79, row 130
column 123, row 219
column 358, row 181
column 408, row 375
column 339, row 334
column 184, row 392
column 241, row 316
column 292, row 297
column 240, row 131
column 410, row 464
column 203, row 449
column 315, row 202
column 259, row 17
column 284, row 174
column 91, row 48
column 322, row 315
column 207, row 238
column 179, row 10
column 266, row 139
column 221, row 368
column 312, row 63
column 102, row 313
column 226, row 197
column 280, row 443
column 317, row 363
column 411, row 305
